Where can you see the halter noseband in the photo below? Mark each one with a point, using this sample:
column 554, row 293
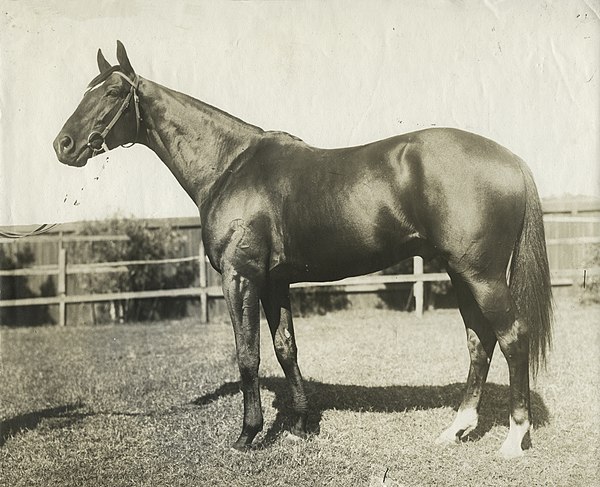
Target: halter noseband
column 97, row 140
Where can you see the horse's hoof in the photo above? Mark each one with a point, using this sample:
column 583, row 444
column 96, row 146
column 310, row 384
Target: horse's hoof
column 293, row 437
column 447, row 438
column 240, row 447
column 509, row 452
column 466, row 432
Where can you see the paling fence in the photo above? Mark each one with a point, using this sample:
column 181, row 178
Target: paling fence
column 570, row 240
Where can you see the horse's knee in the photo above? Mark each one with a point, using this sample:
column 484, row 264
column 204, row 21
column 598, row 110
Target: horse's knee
column 284, row 345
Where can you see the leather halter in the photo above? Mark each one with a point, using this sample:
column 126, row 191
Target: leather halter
column 97, row 140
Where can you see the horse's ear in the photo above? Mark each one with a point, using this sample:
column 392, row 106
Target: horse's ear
column 123, row 59
column 103, row 64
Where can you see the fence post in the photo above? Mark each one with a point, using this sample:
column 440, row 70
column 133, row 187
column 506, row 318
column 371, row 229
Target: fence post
column 418, row 289
column 62, row 285
column 203, row 285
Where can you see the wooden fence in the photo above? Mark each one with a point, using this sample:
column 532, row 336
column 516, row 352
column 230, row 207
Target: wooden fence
column 203, row 291
column 206, row 291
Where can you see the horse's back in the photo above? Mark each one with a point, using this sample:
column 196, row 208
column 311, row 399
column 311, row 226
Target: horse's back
column 436, row 191
column 329, row 213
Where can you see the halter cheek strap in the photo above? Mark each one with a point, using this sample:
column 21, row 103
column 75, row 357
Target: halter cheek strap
column 100, row 137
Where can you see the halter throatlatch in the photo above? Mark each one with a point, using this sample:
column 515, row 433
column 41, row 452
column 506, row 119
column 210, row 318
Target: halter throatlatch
column 97, row 140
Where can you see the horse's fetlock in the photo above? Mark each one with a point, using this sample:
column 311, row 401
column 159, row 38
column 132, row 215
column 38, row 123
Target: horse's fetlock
column 520, row 416
column 255, row 426
column 248, row 369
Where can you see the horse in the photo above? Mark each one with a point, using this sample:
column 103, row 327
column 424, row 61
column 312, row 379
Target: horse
column 276, row 211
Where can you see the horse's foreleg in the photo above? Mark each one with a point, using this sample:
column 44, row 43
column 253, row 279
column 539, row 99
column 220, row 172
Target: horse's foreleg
column 241, row 296
column 481, row 341
column 276, row 303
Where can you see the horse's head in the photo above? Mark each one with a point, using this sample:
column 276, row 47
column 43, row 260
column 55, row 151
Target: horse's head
column 108, row 115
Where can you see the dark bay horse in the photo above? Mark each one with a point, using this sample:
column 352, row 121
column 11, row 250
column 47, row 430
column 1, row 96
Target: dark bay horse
column 275, row 211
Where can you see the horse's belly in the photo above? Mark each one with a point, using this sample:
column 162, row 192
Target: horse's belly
column 330, row 267
column 332, row 251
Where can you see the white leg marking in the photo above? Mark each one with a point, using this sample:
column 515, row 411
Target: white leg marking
column 464, row 422
column 511, row 448
column 291, row 437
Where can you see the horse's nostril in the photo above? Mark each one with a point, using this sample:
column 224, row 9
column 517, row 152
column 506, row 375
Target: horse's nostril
column 66, row 143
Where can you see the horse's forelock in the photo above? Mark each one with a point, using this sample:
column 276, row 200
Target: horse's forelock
column 103, row 76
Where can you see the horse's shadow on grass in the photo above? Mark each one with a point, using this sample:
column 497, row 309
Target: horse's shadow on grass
column 383, row 399
column 30, row 421
column 322, row 397
column 54, row 418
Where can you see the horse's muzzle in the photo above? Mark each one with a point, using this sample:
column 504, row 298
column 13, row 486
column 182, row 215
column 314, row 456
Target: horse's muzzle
column 65, row 150
column 63, row 145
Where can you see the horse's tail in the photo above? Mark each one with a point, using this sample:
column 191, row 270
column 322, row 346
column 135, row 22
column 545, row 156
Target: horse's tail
column 530, row 277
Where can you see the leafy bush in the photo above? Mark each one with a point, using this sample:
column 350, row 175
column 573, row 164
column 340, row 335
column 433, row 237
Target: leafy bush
column 17, row 258
column 16, row 287
column 311, row 300
column 144, row 243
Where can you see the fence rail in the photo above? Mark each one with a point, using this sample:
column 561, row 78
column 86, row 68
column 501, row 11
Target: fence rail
column 66, row 238
column 205, row 292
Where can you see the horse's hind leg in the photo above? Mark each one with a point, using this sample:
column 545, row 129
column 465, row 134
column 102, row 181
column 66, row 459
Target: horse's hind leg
column 276, row 303
column 481, row 341
column 496, row 304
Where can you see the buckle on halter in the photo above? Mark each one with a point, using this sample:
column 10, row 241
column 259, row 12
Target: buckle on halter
column 95, row 141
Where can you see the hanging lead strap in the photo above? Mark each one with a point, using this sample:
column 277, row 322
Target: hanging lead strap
column 44, row 228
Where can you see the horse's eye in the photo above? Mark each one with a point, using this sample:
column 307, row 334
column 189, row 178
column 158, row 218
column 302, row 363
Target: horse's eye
column 112, row 93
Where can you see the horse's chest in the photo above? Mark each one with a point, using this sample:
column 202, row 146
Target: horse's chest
column 238, row 232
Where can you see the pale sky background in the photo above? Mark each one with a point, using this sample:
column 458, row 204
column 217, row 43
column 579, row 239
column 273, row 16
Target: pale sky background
column 333, row 73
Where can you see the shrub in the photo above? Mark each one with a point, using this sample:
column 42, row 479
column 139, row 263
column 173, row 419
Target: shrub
column 16, row 287
column 144, row 243
column 311, row 300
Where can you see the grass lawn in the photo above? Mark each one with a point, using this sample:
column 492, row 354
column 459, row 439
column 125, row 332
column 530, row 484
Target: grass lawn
column 159, row 404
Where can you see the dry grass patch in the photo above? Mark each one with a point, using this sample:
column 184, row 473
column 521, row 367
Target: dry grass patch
column 159, row 404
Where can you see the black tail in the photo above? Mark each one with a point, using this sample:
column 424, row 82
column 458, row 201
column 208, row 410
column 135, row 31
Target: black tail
column 530, row 277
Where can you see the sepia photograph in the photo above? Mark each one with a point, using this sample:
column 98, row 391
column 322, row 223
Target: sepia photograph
column 299, row 243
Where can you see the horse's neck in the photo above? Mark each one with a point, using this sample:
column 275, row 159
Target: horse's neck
column 197, row 142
